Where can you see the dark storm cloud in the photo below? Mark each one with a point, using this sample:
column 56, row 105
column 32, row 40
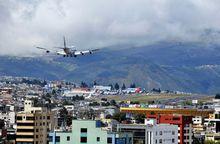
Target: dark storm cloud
column 98, row 23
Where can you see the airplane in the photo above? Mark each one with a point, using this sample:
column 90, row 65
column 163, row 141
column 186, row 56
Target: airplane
column 68, row 51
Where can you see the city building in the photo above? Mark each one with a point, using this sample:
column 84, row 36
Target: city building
column 151, row 132
column 184, row 123
column 8, row 117
column 33, row 124
column 213, row 126
column 180, row 117
column 198, row 124
column 90, row 132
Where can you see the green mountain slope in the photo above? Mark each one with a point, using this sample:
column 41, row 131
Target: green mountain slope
column 189, row 67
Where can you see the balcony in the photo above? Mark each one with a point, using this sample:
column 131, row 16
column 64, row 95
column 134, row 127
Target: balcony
column 25, row 127
column 25, row 121
column 24, row 140
column 25, row 133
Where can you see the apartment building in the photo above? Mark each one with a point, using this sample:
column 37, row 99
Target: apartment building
column 33, row 124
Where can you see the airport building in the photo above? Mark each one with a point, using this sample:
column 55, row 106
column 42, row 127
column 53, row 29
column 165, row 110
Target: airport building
column 33, row 124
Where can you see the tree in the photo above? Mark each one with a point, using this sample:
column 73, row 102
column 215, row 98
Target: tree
column 119, row 116
column 66, row 102
column 113, row 102
column 104, row 99
column 53, row 92
column 105, row 103
column 134, row 102
column 217, row 96
column 156, row 90
column 94, row 83
column 69, row 120
column 123, row 87
column 63, row 112
column 117, row 86
column 63, row 115
column 94, row 104
column 83, row 85
column 133, row 85
column 211, row 142
column 2, row 123
column 139, row 118
column 111, row 86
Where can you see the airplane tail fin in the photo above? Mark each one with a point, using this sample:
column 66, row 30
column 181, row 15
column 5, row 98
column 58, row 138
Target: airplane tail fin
column 64, row 41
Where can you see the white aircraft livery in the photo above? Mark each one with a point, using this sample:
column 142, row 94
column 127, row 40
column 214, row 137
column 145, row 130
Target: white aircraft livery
column 68, row 51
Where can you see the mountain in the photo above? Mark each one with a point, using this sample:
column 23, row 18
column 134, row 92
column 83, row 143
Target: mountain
column 189, row 67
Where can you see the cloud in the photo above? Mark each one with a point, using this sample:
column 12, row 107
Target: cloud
column 98, row 23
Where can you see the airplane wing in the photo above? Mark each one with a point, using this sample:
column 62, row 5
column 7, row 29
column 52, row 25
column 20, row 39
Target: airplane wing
column 47, row 50
column 42, row 48
column 85, row 52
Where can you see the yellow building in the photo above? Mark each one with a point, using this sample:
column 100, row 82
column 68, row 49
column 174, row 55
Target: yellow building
column 33, row 124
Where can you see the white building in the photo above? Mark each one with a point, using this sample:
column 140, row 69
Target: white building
column 152, row 133
column 9, row 118
column 78, row 92
column 102, row 88
column 198, row 124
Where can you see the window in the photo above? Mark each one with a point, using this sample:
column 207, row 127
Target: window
column 83, row 130
column 109, row 140
column 160, row 141
column 187, row 131
column 48, row 117
column 156, row 141
column 83, row 139
column 176, row 118
column 29, row 118
column 36, row 130
column 160, row 132
column 19, row 118
column 98, row 139
column 173, row 132
column 68, row 138
column 50, row 138
column 57, row 139
column 173, row 140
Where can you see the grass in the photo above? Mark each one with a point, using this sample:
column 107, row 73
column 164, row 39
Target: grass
column 144, row 97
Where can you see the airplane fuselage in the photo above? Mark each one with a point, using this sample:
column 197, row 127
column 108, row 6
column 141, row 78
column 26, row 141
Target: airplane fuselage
column 66, row 52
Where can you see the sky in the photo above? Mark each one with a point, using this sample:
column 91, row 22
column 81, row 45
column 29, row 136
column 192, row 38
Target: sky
column 91, row 24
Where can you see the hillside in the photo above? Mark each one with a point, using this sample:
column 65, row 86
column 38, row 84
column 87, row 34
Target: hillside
column 189, row 67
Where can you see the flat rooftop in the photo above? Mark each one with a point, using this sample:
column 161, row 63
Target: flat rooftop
column 185, row 112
